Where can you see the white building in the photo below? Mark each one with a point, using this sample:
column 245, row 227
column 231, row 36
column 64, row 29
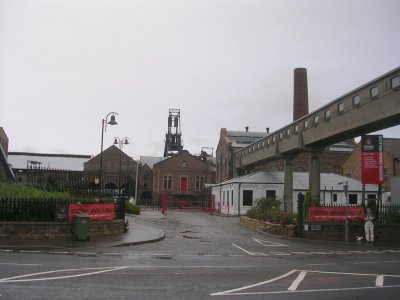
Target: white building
column 236, row 196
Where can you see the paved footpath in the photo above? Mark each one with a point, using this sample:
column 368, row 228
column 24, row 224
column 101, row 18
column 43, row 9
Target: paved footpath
column 137, row 234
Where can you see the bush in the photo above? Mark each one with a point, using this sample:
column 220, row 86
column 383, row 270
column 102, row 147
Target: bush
column 17, row 190
column 132, row 208
column 269, row 209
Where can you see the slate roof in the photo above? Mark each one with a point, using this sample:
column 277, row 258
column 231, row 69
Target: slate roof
column 243, row 138
column 300, row 181
column 151, row 160
column 392, row 146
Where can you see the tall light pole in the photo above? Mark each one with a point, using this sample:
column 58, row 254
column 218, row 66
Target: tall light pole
column 346, row 222
column 103, row 129
column 121, row 143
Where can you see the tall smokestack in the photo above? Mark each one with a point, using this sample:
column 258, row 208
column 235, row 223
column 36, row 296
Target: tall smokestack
column 300, row 96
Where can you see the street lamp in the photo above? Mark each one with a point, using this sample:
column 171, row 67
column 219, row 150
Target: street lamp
column 346, row 222
column 103, row 129
column 121, row 143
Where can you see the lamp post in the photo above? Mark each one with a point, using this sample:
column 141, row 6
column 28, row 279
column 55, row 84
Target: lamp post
column 346, row 222
column 103, row 129
column 121, row 143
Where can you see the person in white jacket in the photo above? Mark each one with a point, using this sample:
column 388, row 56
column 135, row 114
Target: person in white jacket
column 369, row 225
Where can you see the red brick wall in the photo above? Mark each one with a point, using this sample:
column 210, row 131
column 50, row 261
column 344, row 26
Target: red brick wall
column 178, row 166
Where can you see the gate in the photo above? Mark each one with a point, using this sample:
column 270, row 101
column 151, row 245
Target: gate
column 183, row 202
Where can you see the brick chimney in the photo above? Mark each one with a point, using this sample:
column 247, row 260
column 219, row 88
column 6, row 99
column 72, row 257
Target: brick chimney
column 300, row 94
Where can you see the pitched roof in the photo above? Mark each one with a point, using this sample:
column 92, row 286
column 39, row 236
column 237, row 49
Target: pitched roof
column 329, row 181
column 392, row 146
column 151, row 160
column 244, row 138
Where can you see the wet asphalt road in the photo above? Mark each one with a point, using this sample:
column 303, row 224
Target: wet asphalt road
column 205, row 257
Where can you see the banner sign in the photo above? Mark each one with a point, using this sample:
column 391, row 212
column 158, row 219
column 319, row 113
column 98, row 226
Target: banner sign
column 335, row 214
column 372, row 168
column 96, row 212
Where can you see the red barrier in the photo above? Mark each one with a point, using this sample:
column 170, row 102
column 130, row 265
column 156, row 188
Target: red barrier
column 96, row 212
column 163, row 203
column 334, row 214
column 211, row 204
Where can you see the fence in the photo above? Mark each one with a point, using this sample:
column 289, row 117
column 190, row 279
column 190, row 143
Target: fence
column 383, row 214
column 77, row 182
column 41, row 210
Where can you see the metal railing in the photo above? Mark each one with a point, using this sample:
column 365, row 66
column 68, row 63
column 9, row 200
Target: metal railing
column 384, row 214
column 38, row 210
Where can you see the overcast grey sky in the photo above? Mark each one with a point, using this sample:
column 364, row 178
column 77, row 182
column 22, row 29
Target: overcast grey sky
column 65, row 64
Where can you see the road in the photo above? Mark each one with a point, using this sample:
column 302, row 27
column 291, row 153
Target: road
column 204, row 257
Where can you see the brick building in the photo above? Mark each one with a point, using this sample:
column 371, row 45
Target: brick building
column 391, row 159
column 6, row 173
column 229, row 142
column 182, row 174
column 119, row 170
column 331, row 159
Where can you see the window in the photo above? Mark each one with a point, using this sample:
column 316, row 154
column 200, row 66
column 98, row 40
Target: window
column 274, row 139
column 168, row 182
column 199, row 183
column 263, row 144
column 184, row 164
column 316, row 119
column 247, row 198
column 281, row 135
column 232, row 197
column 334, row 198
column 352, row 198
column 296, row 129
column 327, row 114
column 395, row 82
column 270, row 194
column 374, row 92
column 305, row 124
column 356, row 100
column 287, row 132
column 341, row 107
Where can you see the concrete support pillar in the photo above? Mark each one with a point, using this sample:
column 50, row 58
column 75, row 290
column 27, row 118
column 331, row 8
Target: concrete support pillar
column 314, row 174
column 288, row 186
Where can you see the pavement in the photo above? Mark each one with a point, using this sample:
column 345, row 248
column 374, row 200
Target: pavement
column 137, row 234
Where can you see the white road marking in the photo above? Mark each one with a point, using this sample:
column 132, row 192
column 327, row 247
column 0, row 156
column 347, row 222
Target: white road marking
column 297, row 281
column 23, row 278
column 326, row 264
column 293, row 288
column 377, row 262
column 244, row 250
column 253, row 285
column 379, row 281
column 268, row 243
column 16, row 264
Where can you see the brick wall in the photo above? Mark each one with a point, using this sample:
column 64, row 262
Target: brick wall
column 179, row 166
column 56, row 231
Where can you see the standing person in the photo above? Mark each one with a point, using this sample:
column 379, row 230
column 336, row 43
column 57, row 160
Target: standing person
column 369, row 226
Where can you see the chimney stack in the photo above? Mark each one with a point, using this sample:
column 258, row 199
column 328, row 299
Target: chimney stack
column 247, row 128
column 300, row 95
